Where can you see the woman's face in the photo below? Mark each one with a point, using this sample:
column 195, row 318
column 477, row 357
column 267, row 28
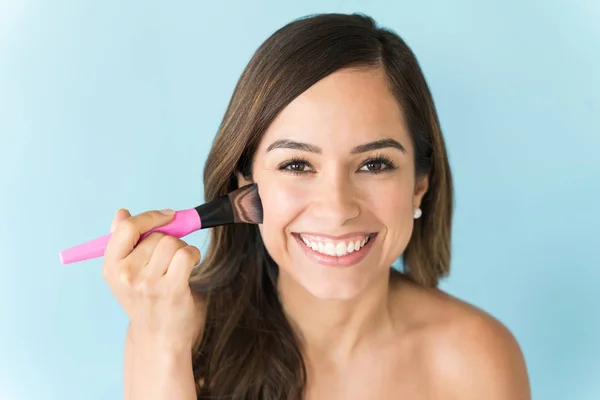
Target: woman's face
column 335, row 173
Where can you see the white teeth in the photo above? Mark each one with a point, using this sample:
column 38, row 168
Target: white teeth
column 335, row 248
column 330, row 249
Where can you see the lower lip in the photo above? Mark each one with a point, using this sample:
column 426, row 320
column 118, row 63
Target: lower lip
column 333, row 261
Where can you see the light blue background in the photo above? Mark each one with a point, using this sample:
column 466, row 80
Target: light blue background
column 107, row 104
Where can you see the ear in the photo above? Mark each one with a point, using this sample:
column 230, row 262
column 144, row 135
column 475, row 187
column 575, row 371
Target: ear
column 241, row 180
column 421, row 187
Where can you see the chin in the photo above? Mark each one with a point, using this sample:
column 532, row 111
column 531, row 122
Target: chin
column 326, row 283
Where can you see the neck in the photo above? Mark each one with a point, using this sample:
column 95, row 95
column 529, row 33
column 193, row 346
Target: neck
column 335, row 329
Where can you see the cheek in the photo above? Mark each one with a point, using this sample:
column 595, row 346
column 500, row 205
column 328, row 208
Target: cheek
column 392, row 206
column 281, row 204
column 392, row 200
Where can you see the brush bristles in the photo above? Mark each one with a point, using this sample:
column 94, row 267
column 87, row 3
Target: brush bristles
column 246, row 205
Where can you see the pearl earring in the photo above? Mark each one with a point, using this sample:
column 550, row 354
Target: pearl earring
column 417, row 214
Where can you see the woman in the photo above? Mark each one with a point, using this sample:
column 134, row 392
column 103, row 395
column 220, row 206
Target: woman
column 334, row 121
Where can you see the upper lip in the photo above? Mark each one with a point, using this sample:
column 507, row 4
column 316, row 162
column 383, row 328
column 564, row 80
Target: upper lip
column 340, row 237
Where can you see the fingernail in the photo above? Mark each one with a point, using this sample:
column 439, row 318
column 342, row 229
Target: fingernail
column 167, row 211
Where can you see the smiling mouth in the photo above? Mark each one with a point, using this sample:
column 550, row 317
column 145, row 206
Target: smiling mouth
column 338, row 248
column 341, row 252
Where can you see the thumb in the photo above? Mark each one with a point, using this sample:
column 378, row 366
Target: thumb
column 122, row 213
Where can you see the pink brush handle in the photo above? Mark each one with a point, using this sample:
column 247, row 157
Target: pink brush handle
column 184, row 222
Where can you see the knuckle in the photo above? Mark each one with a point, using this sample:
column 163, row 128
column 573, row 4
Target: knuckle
column 142, row 287
column 110, row 269
column 171, row 242
column 105, row 272
column 187, row 255
column 196, row 255
column 127, row 227
column 155, row 236
column 147, row 289
column 126, row 278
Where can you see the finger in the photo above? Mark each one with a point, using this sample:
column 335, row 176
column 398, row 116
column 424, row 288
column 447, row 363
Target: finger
column 141, row 255
column 165, row 250
column 128, row 232
column 182, row 264
column 121, row 214
column 109, row 270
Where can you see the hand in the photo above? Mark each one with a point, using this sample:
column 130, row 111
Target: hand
column 151, row 280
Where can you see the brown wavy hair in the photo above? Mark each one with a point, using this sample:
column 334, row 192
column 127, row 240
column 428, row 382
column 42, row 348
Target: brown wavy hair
column 248, row 349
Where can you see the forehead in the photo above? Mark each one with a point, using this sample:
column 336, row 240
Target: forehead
column 346, row 108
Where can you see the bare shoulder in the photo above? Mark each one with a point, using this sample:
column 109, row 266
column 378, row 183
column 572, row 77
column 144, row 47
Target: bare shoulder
column 465, row 352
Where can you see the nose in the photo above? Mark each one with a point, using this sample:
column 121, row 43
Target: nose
column 335, row 200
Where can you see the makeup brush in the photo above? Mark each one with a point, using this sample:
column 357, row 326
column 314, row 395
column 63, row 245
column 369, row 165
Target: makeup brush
column 243, row 205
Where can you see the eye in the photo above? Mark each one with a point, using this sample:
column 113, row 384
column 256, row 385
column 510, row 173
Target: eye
column 377, row 164
column 374, row 166
column 297, row 166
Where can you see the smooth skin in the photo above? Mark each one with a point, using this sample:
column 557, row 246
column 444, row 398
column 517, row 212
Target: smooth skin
column 368, row 332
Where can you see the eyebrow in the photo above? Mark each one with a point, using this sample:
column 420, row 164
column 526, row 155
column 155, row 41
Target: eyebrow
column 290, row 144
column 363, row 148
column 378, row 144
